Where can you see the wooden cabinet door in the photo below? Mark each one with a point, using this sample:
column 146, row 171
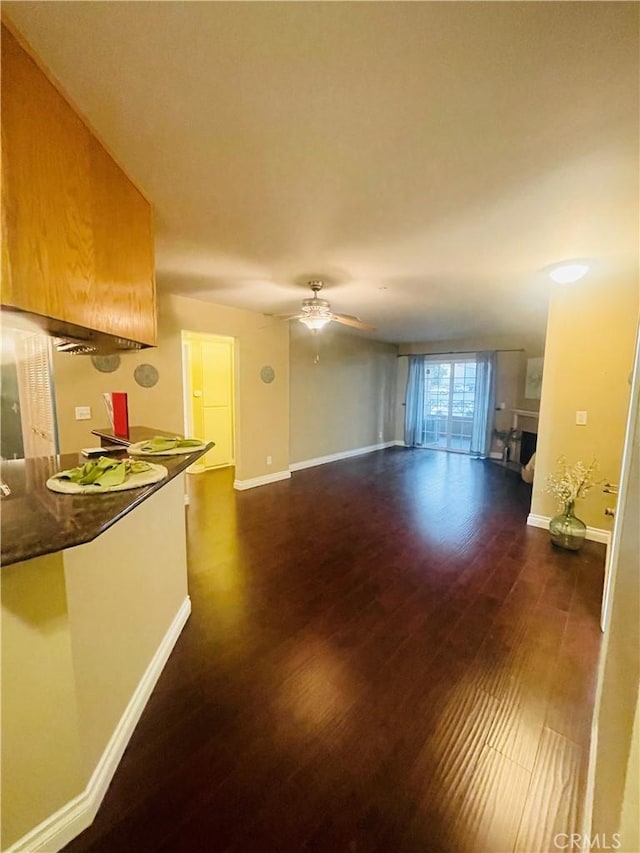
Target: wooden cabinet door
column 47, row 229
column 124, row 301
column 77, row 234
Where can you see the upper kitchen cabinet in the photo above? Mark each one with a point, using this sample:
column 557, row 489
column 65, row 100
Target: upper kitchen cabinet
column 124, row 283
column 77, row 234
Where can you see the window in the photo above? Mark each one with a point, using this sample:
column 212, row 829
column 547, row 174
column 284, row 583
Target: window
column 36, row 403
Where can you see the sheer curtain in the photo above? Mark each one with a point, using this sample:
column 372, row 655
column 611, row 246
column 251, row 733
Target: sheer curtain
column 485, row 403
column 414, row 406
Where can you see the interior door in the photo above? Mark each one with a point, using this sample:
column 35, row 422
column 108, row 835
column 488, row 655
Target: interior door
column 612, row 797
column 210, row 393
column 624, row 537
column 217, row 401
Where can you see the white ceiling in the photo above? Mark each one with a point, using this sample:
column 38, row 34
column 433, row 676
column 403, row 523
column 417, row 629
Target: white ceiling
column 426, row 160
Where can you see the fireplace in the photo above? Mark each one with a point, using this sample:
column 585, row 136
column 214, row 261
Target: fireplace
column 528, row 443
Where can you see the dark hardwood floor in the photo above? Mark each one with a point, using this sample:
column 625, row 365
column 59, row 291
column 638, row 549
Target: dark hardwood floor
column 381, row 657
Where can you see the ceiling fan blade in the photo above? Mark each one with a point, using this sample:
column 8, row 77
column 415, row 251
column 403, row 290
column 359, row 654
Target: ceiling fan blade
column 348, row 320
column 287, row 316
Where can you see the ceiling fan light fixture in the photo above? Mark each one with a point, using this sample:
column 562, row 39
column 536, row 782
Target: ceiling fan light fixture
column 315, row 323
column 315, row 313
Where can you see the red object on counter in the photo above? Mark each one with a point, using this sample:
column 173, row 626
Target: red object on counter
column 120, row 414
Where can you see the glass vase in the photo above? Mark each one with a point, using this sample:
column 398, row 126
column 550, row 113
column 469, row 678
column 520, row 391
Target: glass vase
column 567, row 531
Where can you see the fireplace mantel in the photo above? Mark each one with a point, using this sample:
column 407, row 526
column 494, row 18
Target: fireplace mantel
column 523, row 413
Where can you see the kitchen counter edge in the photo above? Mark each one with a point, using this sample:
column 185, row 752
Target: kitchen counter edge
column 37, row 521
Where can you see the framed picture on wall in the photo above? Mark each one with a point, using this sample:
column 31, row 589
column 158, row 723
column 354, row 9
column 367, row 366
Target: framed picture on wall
column 533, row 382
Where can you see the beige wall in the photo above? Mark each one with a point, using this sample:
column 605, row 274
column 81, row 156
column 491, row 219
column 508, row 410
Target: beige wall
column 630, row 817
column 510, row 383
column 343, row 392
column 79, row 629
column 588, row 360
column 262, row 411
column 140, row 562
column 42, row 765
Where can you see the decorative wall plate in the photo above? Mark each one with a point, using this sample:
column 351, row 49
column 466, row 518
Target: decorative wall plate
column 106, row 363
column 146, row 375
column 267, row 374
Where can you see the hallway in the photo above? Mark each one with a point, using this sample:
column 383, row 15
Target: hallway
column 381, row 657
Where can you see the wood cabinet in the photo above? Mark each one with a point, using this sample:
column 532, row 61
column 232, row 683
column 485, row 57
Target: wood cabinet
column 77, row 234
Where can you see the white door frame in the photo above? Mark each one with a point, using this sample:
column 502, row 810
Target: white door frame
column 625, row 473
column 611, row 571
column 187, row 337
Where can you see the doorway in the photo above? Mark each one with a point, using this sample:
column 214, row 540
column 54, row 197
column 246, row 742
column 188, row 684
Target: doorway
column 208, row 382
column 450, row 392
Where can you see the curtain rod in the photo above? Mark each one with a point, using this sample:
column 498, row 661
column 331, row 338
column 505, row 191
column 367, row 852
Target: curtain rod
column 458, row 352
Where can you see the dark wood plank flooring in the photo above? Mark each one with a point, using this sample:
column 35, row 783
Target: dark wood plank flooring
column 381, row 657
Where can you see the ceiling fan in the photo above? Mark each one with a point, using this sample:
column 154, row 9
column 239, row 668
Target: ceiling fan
column 316, row 313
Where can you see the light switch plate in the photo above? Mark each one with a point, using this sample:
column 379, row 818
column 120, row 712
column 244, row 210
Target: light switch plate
column 83, row 413
column 581, row 418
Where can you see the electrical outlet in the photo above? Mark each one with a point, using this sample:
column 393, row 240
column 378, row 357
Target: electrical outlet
column 380, row 434
column 83, row 413
column 269, row 460
column 581, row 418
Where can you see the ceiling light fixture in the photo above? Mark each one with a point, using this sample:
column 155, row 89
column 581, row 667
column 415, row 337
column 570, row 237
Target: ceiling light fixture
column 316, row 312
column 315, row 323
column 568, row 273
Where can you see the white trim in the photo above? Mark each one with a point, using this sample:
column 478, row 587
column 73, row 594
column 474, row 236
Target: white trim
column 399, row 443
column 261, row 481
column 594, row 534
column 344, row 454
column 538, row 521
column 62, row 826
column 587, row 813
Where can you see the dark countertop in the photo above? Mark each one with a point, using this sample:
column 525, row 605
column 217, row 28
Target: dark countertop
column 135, row 434
column 37, row 521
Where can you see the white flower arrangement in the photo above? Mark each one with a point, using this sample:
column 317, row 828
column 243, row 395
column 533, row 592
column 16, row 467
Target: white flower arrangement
column 571, row 482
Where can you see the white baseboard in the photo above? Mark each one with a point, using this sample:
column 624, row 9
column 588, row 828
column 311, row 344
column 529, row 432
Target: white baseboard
column 594, row 534
column 587, row 813
column 261, row 481
column 399, row 443
column 336, row 457
column 60, row 828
